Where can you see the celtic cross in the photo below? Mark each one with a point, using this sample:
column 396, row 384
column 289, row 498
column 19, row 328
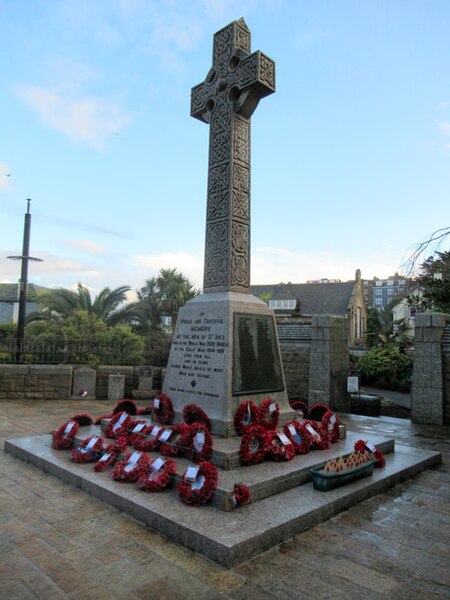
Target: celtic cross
column 226, row 100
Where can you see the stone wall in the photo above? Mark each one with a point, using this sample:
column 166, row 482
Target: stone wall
column 430, row 391
column 296, row 371
column 329, row 363
column 50, row 382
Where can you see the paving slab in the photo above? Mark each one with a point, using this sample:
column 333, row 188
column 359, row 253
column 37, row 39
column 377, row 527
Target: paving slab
column 232, row 537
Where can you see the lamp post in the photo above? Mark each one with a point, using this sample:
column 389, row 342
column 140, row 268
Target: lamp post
column 23, row 283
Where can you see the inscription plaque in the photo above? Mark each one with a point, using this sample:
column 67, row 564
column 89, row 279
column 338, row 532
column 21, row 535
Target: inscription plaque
column 256, row 360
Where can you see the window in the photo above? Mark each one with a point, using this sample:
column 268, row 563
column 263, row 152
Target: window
column 377, row 283
column 378, row 301
column 390, row 291
column 378, row 292
column 290, row 304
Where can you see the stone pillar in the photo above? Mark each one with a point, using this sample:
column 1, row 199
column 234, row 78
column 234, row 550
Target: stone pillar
column 428, row 394
column 116, row 387
column 329, row 362
column 84, row 380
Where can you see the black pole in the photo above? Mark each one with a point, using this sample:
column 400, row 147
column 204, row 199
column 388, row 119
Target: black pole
column 23, row 285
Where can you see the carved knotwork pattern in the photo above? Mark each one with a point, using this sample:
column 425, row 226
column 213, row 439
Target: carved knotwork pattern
column 242, row 38
column 220, row 133
column 239, row 271
column 267, row 71
column 240, row 238
column 241, row 139
column 218, row 205
column 248, row 70
column 199, row 97
column 223, row 48
column 241, row 191
column 215, row 270
column 216, row 237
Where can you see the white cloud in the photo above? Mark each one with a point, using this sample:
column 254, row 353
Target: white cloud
column 87, row 246
column 4, row 177
column 150, row 264
column 90, row 120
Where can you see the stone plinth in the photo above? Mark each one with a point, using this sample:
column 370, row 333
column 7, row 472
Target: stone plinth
column 116, row 387
column 84, row 380
column 224, row 351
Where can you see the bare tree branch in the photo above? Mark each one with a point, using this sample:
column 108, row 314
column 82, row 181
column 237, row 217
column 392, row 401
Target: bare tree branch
column 415, row 254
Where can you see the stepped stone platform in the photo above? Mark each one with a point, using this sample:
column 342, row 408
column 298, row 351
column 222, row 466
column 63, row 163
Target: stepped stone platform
column 284, row 500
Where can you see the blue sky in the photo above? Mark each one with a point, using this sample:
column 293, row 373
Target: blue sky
column 350, row 156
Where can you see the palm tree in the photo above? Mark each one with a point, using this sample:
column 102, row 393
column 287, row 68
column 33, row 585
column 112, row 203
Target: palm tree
column 62, row 303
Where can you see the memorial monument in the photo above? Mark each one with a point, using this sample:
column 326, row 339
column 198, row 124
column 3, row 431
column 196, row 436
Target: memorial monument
column 225, row 347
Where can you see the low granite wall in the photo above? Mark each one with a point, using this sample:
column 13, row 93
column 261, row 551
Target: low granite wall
column 50, row 382
column 296, row 371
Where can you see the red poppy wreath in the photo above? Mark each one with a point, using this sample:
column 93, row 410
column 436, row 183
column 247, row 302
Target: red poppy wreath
column 163, row 409
column 362, row 446
column 246, row 415
column 330, row 421
column 194, row 414
column 279, row 446
column 299, row 436
column 83, row 419
column 64, row 435
column 253, row 445
column 118, row 425
column 174, row 441
column 199, row 443
column 241, row 495
column 158, row 476
column 270, row 413
column 149, row 438
column 136, row 430
column 130, row 467
column 111, row 453
column 319, row 435
column 198, row 484
column 89, row 450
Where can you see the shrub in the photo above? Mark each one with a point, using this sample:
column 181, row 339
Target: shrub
column 386, row 367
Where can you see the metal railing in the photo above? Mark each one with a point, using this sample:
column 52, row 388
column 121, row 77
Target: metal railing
column 14, row 350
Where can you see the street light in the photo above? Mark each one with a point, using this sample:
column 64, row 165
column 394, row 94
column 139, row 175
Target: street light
column 23, row 283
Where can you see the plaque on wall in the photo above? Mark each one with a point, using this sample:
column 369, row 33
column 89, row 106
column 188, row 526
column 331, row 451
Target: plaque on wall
column 256, row 360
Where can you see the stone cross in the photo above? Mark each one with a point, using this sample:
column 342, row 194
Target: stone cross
column 226, row 100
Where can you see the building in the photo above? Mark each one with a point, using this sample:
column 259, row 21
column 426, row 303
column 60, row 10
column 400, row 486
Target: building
column 379, row 293
column 325, row 298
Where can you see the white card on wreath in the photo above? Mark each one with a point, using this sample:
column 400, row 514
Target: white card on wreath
column 104, row 458
column 92, row 443
column 191, row 473
column 156, row 429
column 157, row 464
column 199, row 441
column 283, row 439
column 312, row 431
column 272, row 407
column 292, row 429
column 370, row 447
column 139, row 427
column 156, row 403
column 69, row 427
column 198, row 483
column 165, row 435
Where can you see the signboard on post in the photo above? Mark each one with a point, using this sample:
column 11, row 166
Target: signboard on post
column 353, row 384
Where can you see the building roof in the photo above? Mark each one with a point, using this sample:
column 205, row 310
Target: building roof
column 313, row 298
column 9, row 292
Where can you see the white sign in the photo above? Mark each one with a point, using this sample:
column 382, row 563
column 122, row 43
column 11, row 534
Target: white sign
column 132, row 461
column 284, row 439
column 312, row 431
column 105, row 457
column 92, row 443
column 156, row 403
column 122, row 418
column 199, row 441
column 156, row 429
column 157, row 464
column 292, row 429
column 69, row 427
column 352, row 384
column 165, row 435
column 191, row 473
column 139, row 427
